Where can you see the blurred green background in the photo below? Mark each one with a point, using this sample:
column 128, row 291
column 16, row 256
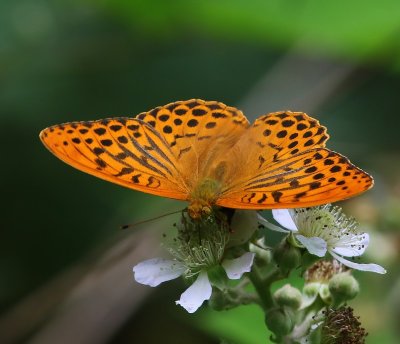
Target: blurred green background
column 65, row 266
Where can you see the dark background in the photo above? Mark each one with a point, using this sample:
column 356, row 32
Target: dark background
column 65, row 266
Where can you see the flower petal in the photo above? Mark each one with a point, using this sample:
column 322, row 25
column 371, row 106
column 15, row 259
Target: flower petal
column 194, row 296
column 357, row 266
column 154, row 271
column 283, row 217
column 354, row 248
column 314, row 245
column 235, row 268
column 271, row 226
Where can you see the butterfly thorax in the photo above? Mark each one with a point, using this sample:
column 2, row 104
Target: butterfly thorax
column 203, row 197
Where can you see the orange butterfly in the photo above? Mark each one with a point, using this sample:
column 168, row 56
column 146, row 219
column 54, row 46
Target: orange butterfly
column 207, row 153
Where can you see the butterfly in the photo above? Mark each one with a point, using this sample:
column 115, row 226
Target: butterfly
column 208, row 154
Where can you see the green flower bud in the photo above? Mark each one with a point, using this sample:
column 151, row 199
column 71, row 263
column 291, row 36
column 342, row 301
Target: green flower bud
column 263, row 256
column 279, row 322
column 217, row 277
column 325, row 294
column 287, row 256
column 310, row 293
column 244, row 224
column 288, row 296
column 311, row 289
column 343, row 287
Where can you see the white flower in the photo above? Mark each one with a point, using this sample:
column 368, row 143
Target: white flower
column 325, row 229
column 155, row 271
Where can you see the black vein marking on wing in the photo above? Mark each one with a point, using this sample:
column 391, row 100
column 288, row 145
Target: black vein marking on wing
column 141, row 160
column 322, row 184
column 157, row 148
column 184, row 150
column 146, row 155
column 271, row 173
column 102, row 164
column 281, row 165
column 316, row 186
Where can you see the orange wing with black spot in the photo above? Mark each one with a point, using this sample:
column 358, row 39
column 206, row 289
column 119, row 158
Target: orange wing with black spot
column 161, row 152
column 285, row 165
column 278, row 162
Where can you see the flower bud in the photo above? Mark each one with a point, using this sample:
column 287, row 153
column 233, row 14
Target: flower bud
column 243, row 225
column 325, row 294
column 343, row 287
column 263, row 256
column 310, row 294
column 279, row 322
column 288, row 296
column 287, row 256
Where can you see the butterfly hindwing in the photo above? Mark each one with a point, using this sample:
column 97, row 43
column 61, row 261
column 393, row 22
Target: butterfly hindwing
column 286, row 166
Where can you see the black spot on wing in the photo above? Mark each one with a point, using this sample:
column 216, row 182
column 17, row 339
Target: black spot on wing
column 276, row 195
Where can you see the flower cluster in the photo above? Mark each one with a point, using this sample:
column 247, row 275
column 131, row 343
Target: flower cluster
column 199, row 251
column 212, row 253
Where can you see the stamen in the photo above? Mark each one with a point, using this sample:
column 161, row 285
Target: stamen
column 331, row 224
column 200, row 245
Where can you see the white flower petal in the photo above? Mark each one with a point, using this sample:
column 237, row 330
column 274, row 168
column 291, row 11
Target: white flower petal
column 196, row 294
column 235, row 268
column 271, row 226
column 314, row 245
column 355, row 247
column 363, row 267
column 283, row 217
column 154, row 271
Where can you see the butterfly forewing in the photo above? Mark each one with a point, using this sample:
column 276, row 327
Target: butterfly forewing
column 197, row 132
column 124, row 151
column 165, row 151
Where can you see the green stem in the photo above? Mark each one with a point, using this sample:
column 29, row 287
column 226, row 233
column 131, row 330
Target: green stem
column 263, row 286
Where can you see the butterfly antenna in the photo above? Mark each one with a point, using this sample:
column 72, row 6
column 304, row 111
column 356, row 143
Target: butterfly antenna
column 148, row 220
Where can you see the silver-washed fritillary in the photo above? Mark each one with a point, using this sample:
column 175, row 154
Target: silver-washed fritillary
column 207, row 153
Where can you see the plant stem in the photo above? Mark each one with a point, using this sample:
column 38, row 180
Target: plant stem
column 263, row 286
